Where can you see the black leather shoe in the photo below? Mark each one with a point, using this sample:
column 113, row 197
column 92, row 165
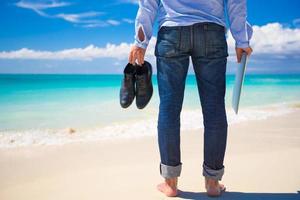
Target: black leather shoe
column 144, row 87
column 127, row 91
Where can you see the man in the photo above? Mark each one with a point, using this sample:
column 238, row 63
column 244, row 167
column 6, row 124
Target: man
column 196, row 29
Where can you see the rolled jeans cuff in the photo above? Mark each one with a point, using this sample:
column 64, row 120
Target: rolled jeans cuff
column 167, row 171
column 212, row 173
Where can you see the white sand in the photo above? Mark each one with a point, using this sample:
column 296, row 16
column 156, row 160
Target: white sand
column 262, row 162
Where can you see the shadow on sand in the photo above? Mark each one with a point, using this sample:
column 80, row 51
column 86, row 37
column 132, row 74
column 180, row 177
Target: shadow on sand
column 241, row 196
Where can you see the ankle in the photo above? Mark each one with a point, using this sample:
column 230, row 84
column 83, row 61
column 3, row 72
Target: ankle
column 211, row 182
column 172, row 182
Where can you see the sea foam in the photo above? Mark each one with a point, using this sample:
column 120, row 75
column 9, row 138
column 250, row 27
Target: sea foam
column 190, row 120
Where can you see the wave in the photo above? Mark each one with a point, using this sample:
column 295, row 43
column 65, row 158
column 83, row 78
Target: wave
column 275, row 80
column 190, row 120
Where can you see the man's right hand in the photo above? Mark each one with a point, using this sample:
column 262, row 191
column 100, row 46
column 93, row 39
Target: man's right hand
column 136, row 53
column 239, row 52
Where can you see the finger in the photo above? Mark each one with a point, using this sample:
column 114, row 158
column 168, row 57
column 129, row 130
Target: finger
column 130, row 57
column 140, row 59
column 133, row 57
column 137, row 58
column 238, row 56
column 249, row 51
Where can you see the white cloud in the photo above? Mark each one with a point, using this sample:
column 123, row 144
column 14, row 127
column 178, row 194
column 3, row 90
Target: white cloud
column 88, row 53
column 95, row 25
column 86, row 18
column 113, row 22
column 79, row 17
column 130, row 1
column 129, row 21
column 270, row 41
column 98, row 23
column 41, row 5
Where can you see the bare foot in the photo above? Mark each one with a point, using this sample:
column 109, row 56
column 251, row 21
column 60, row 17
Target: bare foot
column 213, row 187
column 169, row 187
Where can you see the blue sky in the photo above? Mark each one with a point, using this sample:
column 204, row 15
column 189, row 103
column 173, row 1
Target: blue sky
column 53, row 26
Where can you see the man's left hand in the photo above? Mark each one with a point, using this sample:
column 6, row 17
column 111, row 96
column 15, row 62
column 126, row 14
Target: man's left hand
column 239, row 52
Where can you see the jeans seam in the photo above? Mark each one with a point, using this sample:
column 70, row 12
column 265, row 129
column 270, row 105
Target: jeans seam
column 179, row 39
column 205, row 40
column 192, row 38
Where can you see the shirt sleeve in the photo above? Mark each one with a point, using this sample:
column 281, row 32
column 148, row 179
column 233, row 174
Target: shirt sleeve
column 144, row 21
column 240, row 29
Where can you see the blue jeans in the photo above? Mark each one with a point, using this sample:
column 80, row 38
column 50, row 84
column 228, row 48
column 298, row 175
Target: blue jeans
column 206, row 44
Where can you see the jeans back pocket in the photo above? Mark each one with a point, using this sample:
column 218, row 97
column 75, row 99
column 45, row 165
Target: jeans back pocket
column 215, row 43
column 168, row 41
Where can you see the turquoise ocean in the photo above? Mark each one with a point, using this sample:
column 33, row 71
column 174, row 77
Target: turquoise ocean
column 41, row 109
